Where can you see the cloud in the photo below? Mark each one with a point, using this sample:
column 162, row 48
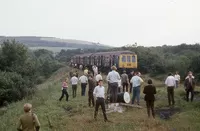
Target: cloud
column 111, row 22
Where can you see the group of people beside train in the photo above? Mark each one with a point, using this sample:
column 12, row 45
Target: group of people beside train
column 132, row 81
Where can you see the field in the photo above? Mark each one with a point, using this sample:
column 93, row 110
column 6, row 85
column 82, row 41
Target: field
column 75, row 115
column 53, row 49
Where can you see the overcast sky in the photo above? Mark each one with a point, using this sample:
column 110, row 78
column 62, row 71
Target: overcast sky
column 110, row 22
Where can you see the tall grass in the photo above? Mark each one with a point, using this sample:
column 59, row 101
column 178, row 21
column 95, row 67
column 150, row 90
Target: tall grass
column 75, row 115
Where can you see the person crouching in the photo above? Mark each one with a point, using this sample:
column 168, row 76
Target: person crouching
column 29, row 120
column 99, row 92
column 149, row 92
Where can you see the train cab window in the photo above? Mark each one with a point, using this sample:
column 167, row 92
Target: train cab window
column 128, row 58
column 123, row 58
column 133, row 58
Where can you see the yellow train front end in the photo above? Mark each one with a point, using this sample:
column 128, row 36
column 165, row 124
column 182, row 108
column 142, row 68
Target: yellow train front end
column 128, row 61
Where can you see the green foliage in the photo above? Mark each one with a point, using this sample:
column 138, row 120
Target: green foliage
column 195, row 66
column 164, row 59
column 21, row 70
column 12, row 86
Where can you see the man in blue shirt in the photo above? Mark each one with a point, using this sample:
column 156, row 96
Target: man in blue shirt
column 136, row 83
column 113, row 78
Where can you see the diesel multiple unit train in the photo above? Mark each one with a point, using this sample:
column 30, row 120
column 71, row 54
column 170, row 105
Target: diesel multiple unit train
column 123, row 60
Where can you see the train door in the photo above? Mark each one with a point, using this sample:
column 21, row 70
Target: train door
column 134, row 61
column 89, row 60
column 92, row 60
column 117, row 61
column 95, row 60
column 113, row 59
column 98, row 60
column 102, row 61
column 122, row 61
column 111, row 62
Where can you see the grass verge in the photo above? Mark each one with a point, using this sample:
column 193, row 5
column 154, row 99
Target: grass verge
column 75, row 115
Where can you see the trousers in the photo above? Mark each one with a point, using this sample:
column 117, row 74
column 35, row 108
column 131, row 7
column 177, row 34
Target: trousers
column 150, row 106
column 170, row 94
column 90, row 98
column 114, row 87
column 125, row 86
column 192, row 94
column 74, row 88
column 136, row 94
column 100, row 102
column 64, row 92
column 83, row 87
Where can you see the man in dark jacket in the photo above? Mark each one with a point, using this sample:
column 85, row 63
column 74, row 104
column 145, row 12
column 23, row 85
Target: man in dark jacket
column 92, row 84
column 149, row 92
column 129, row 77
column 124, row 79
column 189, row 86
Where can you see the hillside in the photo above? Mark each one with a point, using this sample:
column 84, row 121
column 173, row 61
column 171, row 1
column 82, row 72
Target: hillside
column 33, row 41
column 75, row 115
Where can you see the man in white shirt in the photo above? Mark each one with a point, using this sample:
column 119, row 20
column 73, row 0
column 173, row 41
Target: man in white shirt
column 136, row 84
column 95, row 70
column 170, row 82
column 84, row 81
column 98, row 77
column 80, row 67
column 177, row 78
column 113, row 78
column 99, row 92
column 74, row 82
column 85, row 71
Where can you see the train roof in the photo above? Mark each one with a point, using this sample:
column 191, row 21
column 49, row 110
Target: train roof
column 104, row 53
column 82, row 55
column 113, row 53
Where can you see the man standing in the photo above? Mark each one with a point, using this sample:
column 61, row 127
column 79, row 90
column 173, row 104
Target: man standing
column 99, row 92
column 84, row 81
column 98, row 77
column 28, row 121
column 76, row 73
column 149, row 97
column 85, row 71
column 81, row 67
column 92, row 84
column 177, row 78
column 170, row 83
column 189, row 86
column 95, row 70
column 125, row 80
column 129, row 77
column 74, row 82
column 113, row 78
column 136, row 84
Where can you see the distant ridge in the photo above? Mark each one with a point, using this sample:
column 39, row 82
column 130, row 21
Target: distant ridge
column 36, row 41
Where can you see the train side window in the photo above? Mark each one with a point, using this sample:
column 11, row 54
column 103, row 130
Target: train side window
column 123, row 58
column 133, row 58
column 128, row 58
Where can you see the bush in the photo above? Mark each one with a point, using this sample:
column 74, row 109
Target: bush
column 20, row 70
column 12, row 86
